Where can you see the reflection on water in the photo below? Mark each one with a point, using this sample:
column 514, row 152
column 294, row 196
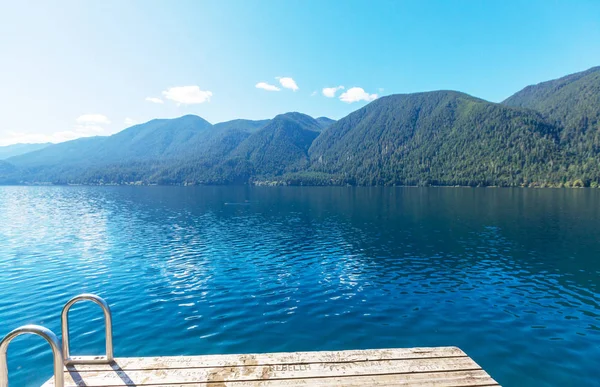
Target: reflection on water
column 509, row 275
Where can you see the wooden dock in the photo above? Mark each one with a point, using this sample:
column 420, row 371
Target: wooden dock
column 443, row 366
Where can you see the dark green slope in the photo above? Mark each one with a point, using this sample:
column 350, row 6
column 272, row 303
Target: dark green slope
column 164, row 138
column 324, row 122
column 573, row 103
column 139, row 148
column 58, row 163
column 154, row 139
column 7, row 173
column 248, row 126
column 236, row 156
column 440, row 138
column 19, row 149
column 208, row 161
column 226, row 136
column 281, row 146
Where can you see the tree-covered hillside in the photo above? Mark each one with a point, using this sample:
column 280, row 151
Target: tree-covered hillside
column 186, row 150
column 545, row 135
column 324, row 122
column 444, row 138
column 279, row 147
column 573, row 104
column 7, row 173
column 19, row 149
column 142, row 152
column 155, row 140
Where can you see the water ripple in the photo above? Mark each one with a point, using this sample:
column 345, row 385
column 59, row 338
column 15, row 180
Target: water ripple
column 308, row 269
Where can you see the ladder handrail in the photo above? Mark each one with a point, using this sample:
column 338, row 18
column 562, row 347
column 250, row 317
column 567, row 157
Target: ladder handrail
column 108, row 331
column 49, row 336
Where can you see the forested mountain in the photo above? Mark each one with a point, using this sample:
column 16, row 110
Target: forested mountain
column 7, row 173
column 241, row 125
column 439, row 138
column 174, row 151
column 545, row 135
column 136, row 148
column 19, row 149
column 156, row 139
column 573, row 104
column 280, row 146
column 324, row 121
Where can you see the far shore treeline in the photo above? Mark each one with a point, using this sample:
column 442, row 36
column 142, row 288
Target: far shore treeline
column 546, row 135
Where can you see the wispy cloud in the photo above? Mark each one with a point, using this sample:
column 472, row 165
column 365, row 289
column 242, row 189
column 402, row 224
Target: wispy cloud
column 356, row 94
column 87, row 119
column 267, row 86
column 130, row 121
column 86, row 125
column 329, row 92
column 288, row 83
column 16, row 137
column 154, row 100
column 187, row 95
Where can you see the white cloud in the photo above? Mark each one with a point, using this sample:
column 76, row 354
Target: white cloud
column 130, row 121
column 13, row 137
column 266, row 86
column 188, row 95
column 99, row 119
column 86, row 125
column 288, row 83
column 154, row 100
column 356, row 94
column 329, row 92
column 314, row 93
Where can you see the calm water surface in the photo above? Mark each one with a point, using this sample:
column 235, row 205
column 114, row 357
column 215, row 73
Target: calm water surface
column 511, row 276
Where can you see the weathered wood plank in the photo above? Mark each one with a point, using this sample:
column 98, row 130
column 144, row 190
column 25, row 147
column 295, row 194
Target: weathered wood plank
column 444, row 366
column 262, row 372
column 456, row 379
column 276, row 358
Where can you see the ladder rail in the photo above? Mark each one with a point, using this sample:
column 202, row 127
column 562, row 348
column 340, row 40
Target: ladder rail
column 109, row 357
column 38, row 330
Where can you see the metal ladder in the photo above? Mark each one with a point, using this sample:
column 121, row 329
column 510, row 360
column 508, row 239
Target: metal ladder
column 60, row 352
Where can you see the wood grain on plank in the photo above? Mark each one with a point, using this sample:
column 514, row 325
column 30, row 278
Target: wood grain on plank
column 275, row 358
column 456, row 379
column 443, row 366
column 262, row 372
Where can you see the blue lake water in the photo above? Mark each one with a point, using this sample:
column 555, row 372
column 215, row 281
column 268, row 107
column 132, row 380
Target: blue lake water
column 511, row 276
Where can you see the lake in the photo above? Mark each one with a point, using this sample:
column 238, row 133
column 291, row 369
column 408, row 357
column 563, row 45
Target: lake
column 511, row 276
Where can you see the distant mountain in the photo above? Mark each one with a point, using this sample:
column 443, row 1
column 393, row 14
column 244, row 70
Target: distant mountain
column 248, row 126
column 19, row 149
column 281, row 146
column 7, row 171
column 324, row 122
column 440, row 138
column 572, row 103
column 544, row 135
column 171, row 151
column 153, row 142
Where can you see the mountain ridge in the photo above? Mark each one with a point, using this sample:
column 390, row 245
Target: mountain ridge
column 572, row 103
column 546, row 135
column 432, row 138
column 18, row 149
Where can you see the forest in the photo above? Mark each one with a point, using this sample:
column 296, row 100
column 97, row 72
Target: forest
column 546, row 135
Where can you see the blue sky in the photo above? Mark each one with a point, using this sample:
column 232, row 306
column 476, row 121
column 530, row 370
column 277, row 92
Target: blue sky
column 83, row 68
